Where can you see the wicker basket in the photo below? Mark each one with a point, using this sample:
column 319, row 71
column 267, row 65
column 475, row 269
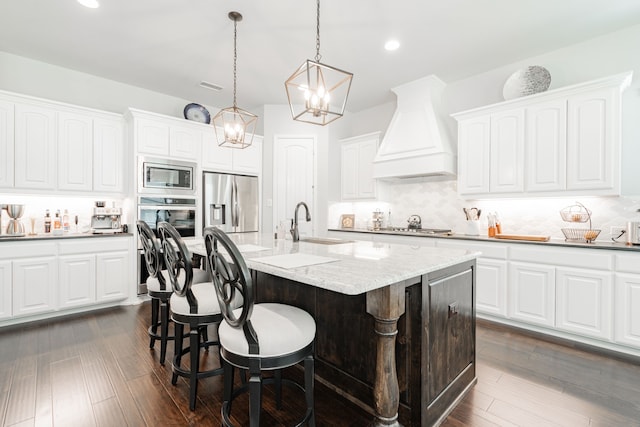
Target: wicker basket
column 580, row 234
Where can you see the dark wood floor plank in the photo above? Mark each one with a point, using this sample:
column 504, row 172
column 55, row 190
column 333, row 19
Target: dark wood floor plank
column 71, row 404
column 131, row 412
column 109, row 413
column 155, row 404
column 22, row 400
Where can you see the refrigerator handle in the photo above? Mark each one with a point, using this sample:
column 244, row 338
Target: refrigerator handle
column 234, row 204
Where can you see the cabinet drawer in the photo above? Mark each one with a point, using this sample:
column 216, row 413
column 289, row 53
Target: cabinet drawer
column 585, row 258
column 489, row 250
column 628, row 263
column 95, row 244
column 10, row 250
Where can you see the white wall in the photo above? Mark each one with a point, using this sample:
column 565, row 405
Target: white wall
column 438, row 202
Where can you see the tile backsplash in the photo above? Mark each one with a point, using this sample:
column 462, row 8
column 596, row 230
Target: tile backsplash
column 440, row 206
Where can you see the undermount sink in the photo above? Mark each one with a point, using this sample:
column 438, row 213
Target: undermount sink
column 325, row 240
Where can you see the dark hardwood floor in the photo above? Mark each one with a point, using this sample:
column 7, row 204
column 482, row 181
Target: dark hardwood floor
column 97, row 369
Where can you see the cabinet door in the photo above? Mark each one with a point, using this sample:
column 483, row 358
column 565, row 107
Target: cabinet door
column 108, row 155
column 507, row 152
column 473, row 155
column 491, row 287
column 5, row 289
column 152, row 137
column 532, row 293
column 627, row 303
column 35, row 283
column 6, row 144
column 35, row 147
column 366, row 182
column 75, row 152
column 546, row 143
column 184, row 142
column 112, row 276
column 591, row 141
column 77, row 280
column 214, row 157
column 349, row 171
column 248, row 160
column 583, row 302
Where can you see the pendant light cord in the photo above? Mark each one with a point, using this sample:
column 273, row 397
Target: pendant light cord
column 318, row 56
column 235, row 59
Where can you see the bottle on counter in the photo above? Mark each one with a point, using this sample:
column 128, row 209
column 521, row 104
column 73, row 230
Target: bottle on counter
column 65, row 221
column 47, row 222
column 57, row 224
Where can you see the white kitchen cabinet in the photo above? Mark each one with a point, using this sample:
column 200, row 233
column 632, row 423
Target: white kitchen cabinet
column 474, row 141
column 583, row 302
column 75, row 151
column 35, row 147
column 593, row 141
column 77, row 280
column 6, row 144
column 152, row 136
column 571, row 137
column 34, row 285
column 166, row 136
column 357, row 155
column 108, row 155
column 236, row 160
column 627, row 303
column 112, row 276
column 546, row 146
column 532, row 293
column 5, row 290
column 506, row 166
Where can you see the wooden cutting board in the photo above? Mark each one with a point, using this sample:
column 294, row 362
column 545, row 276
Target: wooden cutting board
column 529, row 237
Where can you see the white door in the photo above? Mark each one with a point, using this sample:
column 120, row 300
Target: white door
column 491, row 287
column 5, row 289
column 185, row 142
column 108, row 155
column 474, row 155
column 507, row 152
column 294, row 180
column 34, row 285
column 75, row 152
column 112, row 276
column 627, row 303
column 35, row 147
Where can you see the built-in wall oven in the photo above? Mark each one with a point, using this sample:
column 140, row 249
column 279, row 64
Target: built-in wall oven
column 177, row 211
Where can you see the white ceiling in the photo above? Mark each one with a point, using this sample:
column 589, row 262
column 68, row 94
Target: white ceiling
column 170, row 46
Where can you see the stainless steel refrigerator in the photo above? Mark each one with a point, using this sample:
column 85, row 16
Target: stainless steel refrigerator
column 230, row 202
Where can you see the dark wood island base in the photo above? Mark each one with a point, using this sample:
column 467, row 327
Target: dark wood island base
column 405, row 352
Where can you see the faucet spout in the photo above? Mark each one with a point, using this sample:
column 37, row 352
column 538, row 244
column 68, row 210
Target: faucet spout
column 294, row 222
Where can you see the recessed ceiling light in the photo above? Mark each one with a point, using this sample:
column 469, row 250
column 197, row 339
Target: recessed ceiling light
column 392, row 45
column 93, row 4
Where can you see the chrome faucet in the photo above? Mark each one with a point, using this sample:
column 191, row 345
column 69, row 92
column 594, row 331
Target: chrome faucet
column 294, row 221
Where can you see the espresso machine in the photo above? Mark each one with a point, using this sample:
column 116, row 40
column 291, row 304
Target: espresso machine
column 15, row 228
column 106, row 220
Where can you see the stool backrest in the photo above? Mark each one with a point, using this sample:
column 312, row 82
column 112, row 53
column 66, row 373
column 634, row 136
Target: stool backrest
column 231, row 276
column 177, row 259
column 152, row 252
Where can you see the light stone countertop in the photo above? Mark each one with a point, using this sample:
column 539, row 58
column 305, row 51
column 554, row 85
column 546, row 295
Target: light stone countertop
column 359, row 266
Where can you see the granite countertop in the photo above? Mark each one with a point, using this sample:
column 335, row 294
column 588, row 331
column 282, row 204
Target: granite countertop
column 350, row 267
column 456, row 236
column 49, row 236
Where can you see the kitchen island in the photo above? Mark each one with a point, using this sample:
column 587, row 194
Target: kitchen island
column 395, row 323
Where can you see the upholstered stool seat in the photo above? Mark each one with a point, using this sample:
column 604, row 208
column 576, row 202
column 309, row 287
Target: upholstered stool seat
column 257, row 337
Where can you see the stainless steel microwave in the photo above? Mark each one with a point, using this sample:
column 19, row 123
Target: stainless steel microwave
column 166, row 176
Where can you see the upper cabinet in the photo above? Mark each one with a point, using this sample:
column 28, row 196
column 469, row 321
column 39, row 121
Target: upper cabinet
column 166, row 136
column 224, row 159
column 557, row 142
column 357, row 154
column 45, row 145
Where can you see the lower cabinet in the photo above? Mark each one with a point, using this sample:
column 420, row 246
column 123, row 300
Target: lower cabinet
column 584, row 301
column 77, row 280
column 627, row 312
column 112, row 269
column 532, row 293
column 34, row 284
column 5, row 289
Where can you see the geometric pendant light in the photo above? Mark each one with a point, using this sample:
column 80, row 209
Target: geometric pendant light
column 317, row 92
column 234, row 126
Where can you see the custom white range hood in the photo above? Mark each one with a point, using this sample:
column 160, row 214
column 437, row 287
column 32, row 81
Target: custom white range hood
column 416, row 143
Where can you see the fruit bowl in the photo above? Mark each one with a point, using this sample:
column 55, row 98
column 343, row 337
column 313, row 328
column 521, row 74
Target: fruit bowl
column 580, row 234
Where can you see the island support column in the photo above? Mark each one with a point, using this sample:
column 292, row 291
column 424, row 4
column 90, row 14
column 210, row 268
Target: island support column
column 386, row 305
